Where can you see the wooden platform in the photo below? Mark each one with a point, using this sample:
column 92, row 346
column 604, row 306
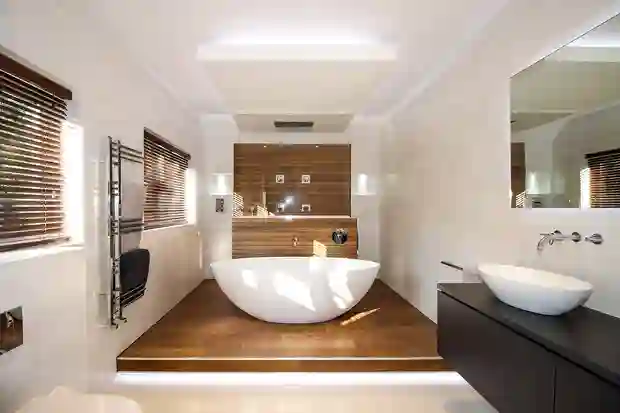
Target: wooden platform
column 207, row 333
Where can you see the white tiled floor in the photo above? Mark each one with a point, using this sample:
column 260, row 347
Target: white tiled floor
column 411, row 398
column 459, row 399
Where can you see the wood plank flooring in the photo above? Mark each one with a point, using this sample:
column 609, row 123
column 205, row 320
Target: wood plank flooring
column 206, row 332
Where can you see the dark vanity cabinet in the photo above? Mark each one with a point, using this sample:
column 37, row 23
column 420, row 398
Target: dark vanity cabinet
column 511, row 372
column 523, row 362
column 578, row 391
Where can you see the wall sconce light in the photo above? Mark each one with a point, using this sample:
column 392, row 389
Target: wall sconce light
column 221, row 184
column 364, row 185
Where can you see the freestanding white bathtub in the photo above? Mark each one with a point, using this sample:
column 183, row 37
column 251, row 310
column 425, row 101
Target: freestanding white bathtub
column 295, row 290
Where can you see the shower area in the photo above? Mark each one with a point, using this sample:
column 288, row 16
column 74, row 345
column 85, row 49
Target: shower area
column 294, row 295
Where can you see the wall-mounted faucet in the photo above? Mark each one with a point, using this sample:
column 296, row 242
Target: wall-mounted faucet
column 551, row 237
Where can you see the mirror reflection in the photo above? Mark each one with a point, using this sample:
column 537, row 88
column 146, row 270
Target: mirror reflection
column 565, row 123
column 11, row 330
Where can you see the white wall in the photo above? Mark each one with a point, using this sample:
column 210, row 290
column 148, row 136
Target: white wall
column 447, row 171
column 220, row 133
column 51, row 289
column 65, row 342
column 539, row 157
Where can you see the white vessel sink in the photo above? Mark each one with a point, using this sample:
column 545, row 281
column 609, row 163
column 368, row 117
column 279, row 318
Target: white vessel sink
column 537, row 291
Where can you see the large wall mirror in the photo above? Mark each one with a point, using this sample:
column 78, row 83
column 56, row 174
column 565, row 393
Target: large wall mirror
column 566, row 126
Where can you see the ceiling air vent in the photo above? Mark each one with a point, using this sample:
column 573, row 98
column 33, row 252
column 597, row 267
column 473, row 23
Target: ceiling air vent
column 280, row 124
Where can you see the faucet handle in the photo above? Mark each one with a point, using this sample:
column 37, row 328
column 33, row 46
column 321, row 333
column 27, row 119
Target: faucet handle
column 555, row 234
column 596, row 239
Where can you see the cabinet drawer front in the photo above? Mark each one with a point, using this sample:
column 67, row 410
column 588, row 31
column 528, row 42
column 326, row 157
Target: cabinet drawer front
column 511, row 372
column 579, row 391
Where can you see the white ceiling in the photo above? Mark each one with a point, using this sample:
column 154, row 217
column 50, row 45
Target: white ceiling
column 521, row 121
column 553, row 89
column 605, row 35
column 296, row 87
column 166, row 37
column 566, row 86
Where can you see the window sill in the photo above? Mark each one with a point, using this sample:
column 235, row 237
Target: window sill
column 38, row 252
column 181, row 226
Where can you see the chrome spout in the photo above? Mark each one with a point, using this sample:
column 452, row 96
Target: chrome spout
column 551, row 237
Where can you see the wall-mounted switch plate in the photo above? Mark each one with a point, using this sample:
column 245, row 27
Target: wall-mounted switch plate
column 219, row 205
column 279, row 179
column 306, row 179
column 306, row 208
column 11, row 329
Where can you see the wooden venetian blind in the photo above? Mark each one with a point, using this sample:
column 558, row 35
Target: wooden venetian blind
column 165, row 167
column 604, row 171
column 32, row 111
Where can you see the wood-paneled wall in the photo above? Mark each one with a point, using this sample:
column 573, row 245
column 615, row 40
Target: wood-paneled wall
column 273, row 237
column 329, row 193
column 518, row 170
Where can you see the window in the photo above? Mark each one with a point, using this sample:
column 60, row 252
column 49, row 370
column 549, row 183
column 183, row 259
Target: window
column 33, row 110
column 165, row 168
column 604, row 177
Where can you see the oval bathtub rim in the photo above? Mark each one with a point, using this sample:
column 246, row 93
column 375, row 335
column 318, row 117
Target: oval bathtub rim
column 369, row 264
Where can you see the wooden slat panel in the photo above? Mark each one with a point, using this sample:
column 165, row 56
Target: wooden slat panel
column 517, row 154
column 317, row 365
column 518, row 170
column 273, row 237
column 329, row 193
